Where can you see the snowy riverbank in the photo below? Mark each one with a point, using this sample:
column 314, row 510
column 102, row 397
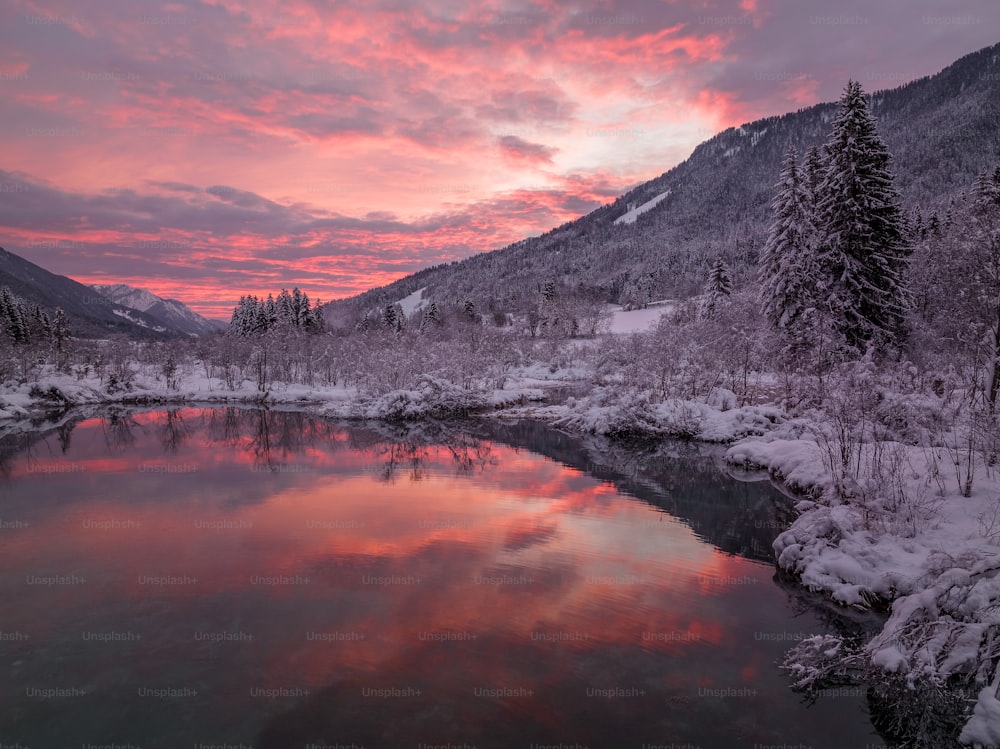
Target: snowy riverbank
column 52, row 391
column 906, row 538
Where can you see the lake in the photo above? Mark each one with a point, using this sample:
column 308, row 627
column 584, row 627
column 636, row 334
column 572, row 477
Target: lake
column 239, row 577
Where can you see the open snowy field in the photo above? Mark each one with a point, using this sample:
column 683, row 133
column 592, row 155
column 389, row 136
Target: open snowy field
column 638, row 320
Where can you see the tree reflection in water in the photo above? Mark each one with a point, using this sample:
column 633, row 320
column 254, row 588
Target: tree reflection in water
column 174, row 432
column 117, row 426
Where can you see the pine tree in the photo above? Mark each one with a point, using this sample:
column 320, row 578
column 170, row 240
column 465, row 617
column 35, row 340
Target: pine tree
column 862, row 255
column 433, row 313
column 258, row 314
column 788, row 265
column 718, row 288
column 431, row 317
column 15, row 316
column 469, row 310
column 389, row 317
column 316, row 321
column 285, row 314
column 60, row 330
column 983, row 235
column 270, row 312
column 236, row 319
column 986, row 189
column 296, row 304
column 303, row 311
column 812, row 176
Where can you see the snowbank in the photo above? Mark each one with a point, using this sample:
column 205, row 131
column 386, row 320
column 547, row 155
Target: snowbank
column 614, row 412
column 431, row 398
column 905, row 537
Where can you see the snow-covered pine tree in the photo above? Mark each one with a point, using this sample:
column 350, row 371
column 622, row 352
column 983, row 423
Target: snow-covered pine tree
column 285, row 310
column 469, row 310
column 236, row 319
column 296, row 307
column 981, row 239
column 315, row 321
column 256, row 318
column 788, row 271
column 304, row 310
column 270, row 311
column 986, row 189
column 60, row 329
column 15, row 316
column 389, row 316
column 812, row 171
column 861, row 251
column 717, row 289
column 5, row 313
column 431, row 318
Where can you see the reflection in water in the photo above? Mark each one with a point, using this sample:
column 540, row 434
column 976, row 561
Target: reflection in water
column 238, row 575
column 118, row 430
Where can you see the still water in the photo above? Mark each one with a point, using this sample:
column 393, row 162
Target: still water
column 226, row 577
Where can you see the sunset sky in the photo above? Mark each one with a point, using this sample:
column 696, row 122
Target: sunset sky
column 208, row 149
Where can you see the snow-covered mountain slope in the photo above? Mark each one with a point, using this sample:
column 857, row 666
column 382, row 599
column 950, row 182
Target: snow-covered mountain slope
column 633, row 213
column 412, row 302
column 129, row 314
column 171, row 313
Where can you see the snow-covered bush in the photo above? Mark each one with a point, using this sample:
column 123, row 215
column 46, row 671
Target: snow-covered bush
column 431, row 398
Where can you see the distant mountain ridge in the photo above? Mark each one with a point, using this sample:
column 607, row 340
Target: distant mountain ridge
column 170, row 312
column 88, row 313
column 941, row 130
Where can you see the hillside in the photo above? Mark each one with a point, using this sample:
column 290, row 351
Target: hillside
column 941, row 129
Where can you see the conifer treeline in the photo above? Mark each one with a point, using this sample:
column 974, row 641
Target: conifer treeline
column 835, row 260
column 290, row 311
column 24, row 323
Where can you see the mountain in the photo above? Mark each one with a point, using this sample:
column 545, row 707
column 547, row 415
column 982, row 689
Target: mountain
column 171, row 313
column 661, row 236
column 88, row 314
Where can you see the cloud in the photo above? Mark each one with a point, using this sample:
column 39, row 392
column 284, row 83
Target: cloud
column 521, row 150
column 165, row 235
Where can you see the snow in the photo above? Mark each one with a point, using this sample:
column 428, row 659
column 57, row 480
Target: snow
column 125, row 313
column 412, row 302
column 637, row 320
column 431, row 397
column 629, row 217
column 984, row 726
column 126, row 295
column 613, row 412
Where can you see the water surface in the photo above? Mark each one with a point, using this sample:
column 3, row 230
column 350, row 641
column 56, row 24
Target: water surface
column 226, row 577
